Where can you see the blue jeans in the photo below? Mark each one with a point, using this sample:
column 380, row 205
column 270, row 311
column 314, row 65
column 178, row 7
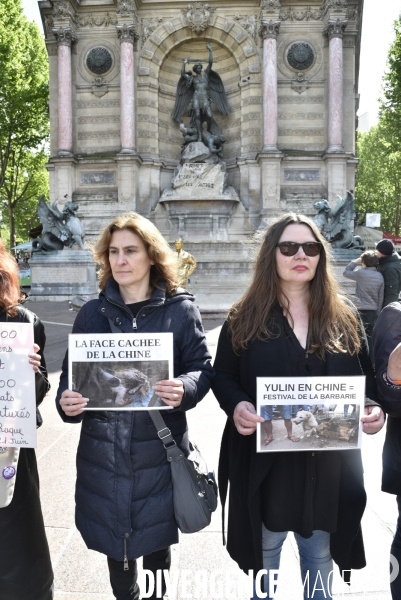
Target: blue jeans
column 266, row 411
column 315, row 559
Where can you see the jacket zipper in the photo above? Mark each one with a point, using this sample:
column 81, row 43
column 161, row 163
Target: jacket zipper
column 126, row 567
column 134, row 325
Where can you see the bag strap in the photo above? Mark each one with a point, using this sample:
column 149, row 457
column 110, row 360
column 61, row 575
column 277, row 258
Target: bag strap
column 163, row 432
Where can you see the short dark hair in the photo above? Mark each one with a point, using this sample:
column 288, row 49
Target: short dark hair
column 370, row 258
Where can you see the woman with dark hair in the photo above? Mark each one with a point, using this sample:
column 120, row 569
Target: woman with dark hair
column 25, row 567
column 124, row 504
column 291, row 322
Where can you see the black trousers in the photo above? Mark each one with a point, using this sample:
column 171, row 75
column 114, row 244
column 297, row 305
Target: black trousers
column 124, row 583
column 395, row 585
column 369, row 318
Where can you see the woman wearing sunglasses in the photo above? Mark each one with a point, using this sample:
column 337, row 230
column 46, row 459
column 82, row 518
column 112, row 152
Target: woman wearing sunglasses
column 291, row 322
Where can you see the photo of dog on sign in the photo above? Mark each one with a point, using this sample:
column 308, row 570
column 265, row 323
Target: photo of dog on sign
column 289, row 427
column 119, row 385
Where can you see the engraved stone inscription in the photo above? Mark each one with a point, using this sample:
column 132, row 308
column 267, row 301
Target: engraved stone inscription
column 301, row 174
column 51, row 275
column 200, row 180
column 98, row 177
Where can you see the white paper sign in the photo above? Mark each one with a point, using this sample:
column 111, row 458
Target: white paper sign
column 373, row 219
column 17, row 386
column 310, row 413
column 117, row 371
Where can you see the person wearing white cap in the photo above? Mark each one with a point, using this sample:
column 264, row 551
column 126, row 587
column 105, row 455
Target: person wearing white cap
column 390, row 267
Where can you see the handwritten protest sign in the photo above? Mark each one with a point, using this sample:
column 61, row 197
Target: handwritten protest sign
column 118, row 371
column 17, row 387
column 310, row 413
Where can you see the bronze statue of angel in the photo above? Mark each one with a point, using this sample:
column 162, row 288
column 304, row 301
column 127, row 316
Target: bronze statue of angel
column 201, row 87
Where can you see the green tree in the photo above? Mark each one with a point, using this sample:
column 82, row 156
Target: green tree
column 390, row 103
column 25, row 180
column 24, row 122
column 378, row 186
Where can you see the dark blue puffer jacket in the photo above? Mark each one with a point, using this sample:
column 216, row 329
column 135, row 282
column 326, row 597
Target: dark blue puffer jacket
column 123, row 494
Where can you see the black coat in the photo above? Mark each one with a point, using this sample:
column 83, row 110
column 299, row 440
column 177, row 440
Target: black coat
column 25, row 567
column 386, row 336
column 123, row 493
column 390, row 268
column 245, row 469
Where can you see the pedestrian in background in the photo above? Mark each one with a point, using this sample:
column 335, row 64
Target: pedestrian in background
column 390, row 267
column 369, row 290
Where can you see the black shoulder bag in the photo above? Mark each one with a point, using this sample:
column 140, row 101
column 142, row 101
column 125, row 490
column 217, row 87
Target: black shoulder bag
column 194, row 486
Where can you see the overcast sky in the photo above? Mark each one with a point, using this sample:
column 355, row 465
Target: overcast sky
column 377, row 35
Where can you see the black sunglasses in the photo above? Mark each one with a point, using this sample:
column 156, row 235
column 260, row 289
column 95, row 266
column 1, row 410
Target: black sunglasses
column 291, row 248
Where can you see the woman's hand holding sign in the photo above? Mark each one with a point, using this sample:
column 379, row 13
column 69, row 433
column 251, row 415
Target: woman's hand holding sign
column 246, row 418
column 72, row 403
column 171, row 391
column 34, row 358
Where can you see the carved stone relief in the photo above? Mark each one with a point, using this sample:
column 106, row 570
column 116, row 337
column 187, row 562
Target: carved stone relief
column 334, row 5
column 300, row 115
column 97, row 103
column 301, row 100
column 352, row 13
column 100, row 87
column 62, row 10
column 126, row 8
column 97, row 20
column 105, row 119
column 307, row 14
column 299, row 83
column 89, row 135
column 335, row 28
column 127, row 33
column 148, row 26
column 65, row 36
column 270, row 5
column 197, row 16
column 249, row 23
column 301, row 131
column 269, row 29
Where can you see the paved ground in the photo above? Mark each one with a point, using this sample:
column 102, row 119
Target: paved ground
column 82, row 574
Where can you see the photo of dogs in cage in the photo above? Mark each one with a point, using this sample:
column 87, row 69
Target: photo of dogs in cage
column 120, row 385
column 289, row 427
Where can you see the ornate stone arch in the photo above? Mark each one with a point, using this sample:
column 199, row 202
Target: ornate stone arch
column 155, row 91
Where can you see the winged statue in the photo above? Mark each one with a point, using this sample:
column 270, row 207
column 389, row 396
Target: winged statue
column 198, row 89
column 335, row 223
column 59, row 228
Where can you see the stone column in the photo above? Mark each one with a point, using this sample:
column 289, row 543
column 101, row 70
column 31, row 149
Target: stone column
column 335, row 30
column 269, row 31
column 65, row 37
column 127, row 35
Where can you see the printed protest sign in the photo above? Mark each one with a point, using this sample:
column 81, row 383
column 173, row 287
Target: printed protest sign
column 118, row 371
column 17, row 387
column 309, row 413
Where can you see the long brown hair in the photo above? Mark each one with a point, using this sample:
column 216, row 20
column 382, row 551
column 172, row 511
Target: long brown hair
column 333, row 325
column 10, row 291
column 159, row 252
